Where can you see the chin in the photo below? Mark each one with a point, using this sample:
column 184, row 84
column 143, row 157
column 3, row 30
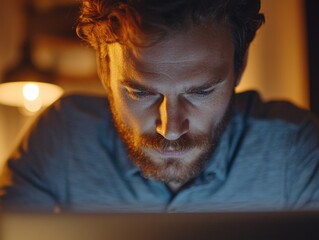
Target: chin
column 179, row 170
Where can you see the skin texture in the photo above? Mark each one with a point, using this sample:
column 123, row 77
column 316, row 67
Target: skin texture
column 171, row 101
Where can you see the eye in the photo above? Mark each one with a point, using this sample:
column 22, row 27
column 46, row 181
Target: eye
column 201, row 92
column 138, row 94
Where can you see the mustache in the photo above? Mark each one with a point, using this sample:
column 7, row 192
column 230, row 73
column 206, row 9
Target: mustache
column 185, row 142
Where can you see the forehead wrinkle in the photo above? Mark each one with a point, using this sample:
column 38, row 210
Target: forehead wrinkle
column 142, row 58
column 139, row 69
column 182, row 47
column 194, row 64
column 177, row 59
column 199, row 72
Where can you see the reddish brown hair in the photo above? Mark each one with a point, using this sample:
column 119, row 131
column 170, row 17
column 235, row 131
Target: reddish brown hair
column 125, row 21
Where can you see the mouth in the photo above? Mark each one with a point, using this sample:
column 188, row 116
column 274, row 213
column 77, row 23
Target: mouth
column 173, row 153
column 169, row 153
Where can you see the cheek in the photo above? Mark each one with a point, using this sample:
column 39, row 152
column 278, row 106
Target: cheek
column 136, row 115
column 205, row 119
column 211, row 112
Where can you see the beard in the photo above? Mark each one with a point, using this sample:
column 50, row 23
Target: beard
column 170, row 170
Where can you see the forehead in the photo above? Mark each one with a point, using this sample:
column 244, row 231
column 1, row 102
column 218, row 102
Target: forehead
column 198, row 49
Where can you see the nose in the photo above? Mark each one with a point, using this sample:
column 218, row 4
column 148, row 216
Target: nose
column 172, row 123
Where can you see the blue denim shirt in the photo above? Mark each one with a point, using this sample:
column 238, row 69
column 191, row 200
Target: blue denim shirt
column 267, row 159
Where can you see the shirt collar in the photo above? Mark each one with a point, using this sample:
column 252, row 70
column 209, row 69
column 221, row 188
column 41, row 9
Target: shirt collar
column 217, row 164
column 220, row 162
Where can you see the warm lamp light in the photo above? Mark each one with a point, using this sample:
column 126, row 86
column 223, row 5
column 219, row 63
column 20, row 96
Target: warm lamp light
column 30, row 91
column 32, row 96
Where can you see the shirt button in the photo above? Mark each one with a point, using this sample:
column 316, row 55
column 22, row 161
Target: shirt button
column 210, row 176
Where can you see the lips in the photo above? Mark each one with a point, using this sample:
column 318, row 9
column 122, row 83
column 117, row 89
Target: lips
column 173, row 153
column 170, row 153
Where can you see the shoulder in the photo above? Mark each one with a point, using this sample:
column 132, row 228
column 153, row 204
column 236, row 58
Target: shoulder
column 68, row 118
column 278, row 125
column 249, row 104
column 285, row 140
column 80, row 106
column 71, row 111
column 80, row 101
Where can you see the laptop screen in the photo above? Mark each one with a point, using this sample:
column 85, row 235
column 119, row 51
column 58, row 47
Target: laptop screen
column 221, row 226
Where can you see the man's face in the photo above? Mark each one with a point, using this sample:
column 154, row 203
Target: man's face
column 171, row 101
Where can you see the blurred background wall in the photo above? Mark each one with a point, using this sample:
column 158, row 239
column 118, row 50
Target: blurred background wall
column 278, row 64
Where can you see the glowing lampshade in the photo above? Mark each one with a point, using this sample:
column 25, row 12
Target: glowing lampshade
column 32, row 96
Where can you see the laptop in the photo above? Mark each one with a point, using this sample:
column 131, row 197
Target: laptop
column 161, row 226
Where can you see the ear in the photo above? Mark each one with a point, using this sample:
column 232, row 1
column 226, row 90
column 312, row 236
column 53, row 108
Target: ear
column 242, row 70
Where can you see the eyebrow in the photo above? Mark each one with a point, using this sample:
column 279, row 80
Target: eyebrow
column 135, row 85
column 206, row 85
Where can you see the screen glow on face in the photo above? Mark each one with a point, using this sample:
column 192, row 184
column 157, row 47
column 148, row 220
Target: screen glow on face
column 171, row 101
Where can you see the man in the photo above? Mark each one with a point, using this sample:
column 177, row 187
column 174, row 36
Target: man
column 176, row 137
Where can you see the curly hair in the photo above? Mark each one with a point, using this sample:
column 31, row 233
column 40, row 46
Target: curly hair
column 129, row 21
